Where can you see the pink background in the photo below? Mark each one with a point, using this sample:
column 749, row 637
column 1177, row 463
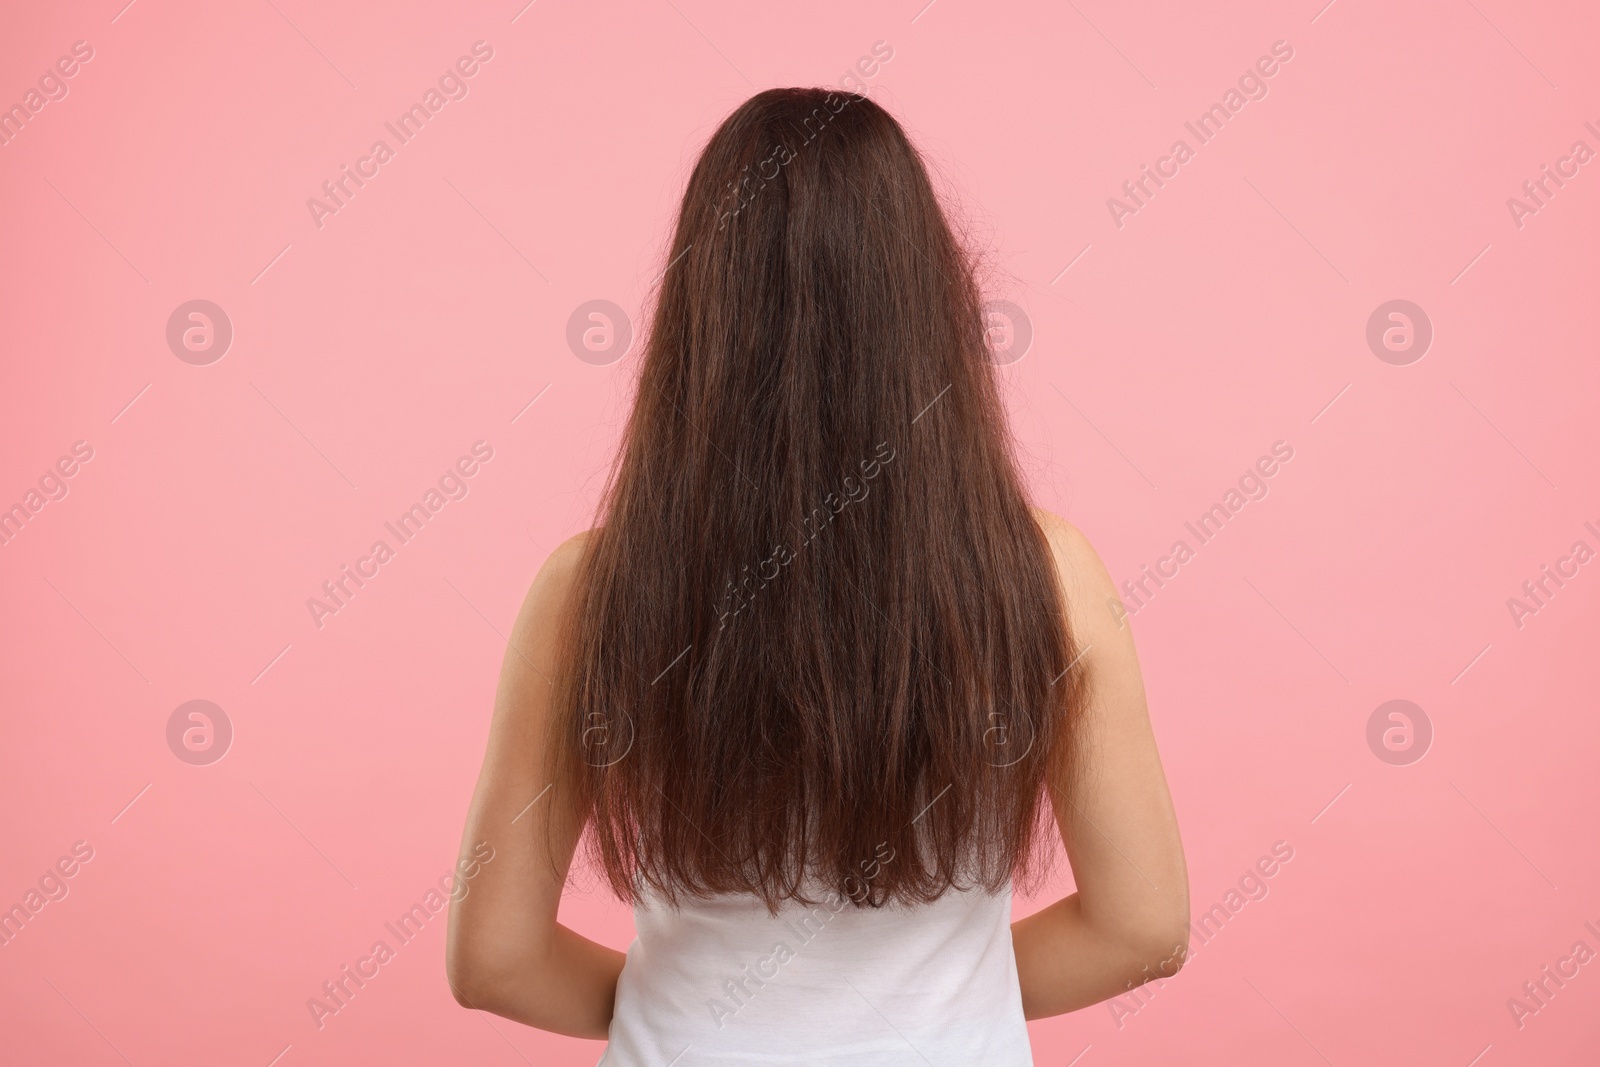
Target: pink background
column 1227, row 314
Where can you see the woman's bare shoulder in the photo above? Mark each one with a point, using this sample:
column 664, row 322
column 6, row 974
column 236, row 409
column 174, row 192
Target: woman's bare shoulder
column 1091, row 595
column 1067, row 541
column 550, row 592
column 568, row 553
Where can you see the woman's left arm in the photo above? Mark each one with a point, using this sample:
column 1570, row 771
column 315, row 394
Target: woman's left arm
column 506, row 952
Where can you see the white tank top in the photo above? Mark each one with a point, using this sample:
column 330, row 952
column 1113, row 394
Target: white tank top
column 720, row 981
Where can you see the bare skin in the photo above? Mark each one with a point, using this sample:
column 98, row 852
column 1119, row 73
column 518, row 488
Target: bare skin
column 506, row 952
column 1128, row 921
column 1126, row 924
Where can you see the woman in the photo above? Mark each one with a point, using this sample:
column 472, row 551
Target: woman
column 818, row 680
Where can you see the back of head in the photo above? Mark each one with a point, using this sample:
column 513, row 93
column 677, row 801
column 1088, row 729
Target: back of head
column 817, row 624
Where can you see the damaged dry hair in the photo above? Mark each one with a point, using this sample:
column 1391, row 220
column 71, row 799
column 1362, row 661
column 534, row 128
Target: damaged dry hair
column 816, row 642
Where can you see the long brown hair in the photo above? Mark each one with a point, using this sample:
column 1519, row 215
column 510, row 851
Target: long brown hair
column 816, row 639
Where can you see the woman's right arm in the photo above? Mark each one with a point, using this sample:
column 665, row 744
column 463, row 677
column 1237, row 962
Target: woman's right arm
column 1128, row 921
column 506, row 953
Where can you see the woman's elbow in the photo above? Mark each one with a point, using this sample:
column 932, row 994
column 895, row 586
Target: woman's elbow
column 474, row 978
column 464, row 981
column 1161, row 949
column 1163, row 944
